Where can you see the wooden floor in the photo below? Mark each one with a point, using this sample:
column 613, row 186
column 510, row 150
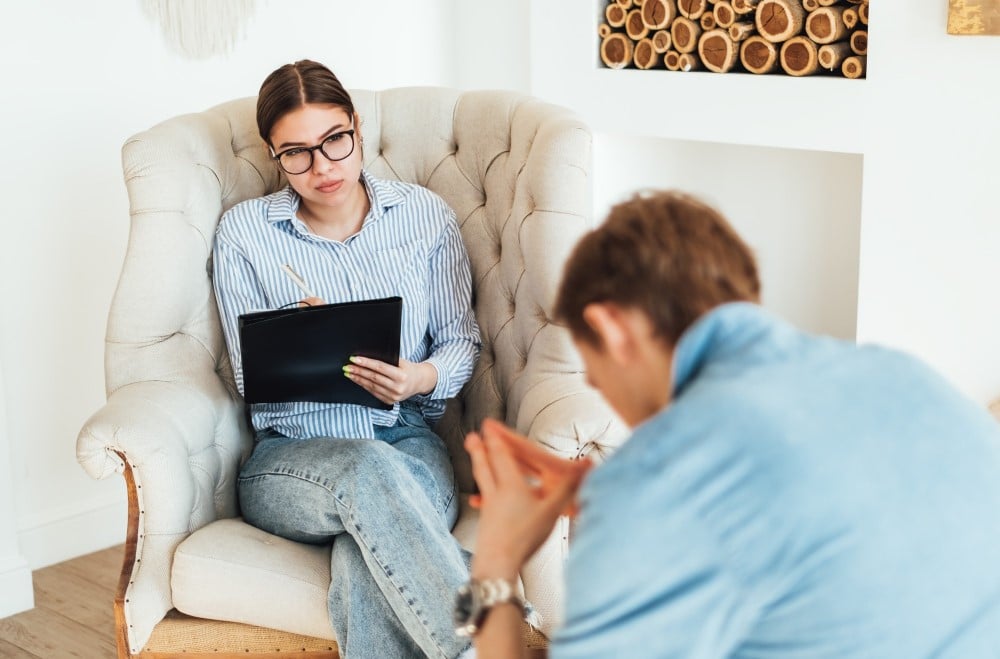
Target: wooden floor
column 72, row 615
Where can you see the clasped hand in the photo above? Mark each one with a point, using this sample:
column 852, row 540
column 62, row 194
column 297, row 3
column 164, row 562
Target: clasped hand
column 523, row 490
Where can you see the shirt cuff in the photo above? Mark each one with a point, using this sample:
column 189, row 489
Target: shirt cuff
column 440, row 391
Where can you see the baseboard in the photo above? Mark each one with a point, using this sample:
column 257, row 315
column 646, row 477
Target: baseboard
column 73, row 533
column 16, row 593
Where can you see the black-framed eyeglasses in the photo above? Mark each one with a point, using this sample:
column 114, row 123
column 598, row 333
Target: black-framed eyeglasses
column 299, row 159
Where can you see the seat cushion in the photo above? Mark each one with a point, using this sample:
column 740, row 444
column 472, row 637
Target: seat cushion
column 229, row 570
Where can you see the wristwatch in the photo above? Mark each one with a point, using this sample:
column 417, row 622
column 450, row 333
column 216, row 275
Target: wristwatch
column 477, row 597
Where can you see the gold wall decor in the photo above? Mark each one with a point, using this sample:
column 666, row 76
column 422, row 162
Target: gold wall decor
column 974, row 17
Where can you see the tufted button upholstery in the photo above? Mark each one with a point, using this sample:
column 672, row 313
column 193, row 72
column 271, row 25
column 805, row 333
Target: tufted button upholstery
column 516, row 172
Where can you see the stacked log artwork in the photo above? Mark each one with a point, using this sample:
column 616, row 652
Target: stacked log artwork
column 796, row 37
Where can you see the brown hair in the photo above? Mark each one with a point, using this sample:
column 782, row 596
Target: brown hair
column 292, row 86
column 666, row 254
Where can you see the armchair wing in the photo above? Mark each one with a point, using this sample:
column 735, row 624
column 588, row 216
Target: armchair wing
column 172, row 420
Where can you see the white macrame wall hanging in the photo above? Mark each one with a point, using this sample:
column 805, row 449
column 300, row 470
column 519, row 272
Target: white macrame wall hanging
column 200, row 29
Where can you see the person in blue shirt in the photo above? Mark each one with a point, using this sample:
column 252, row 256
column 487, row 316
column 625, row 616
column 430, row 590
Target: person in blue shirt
column 782, row 494
column 376, row 483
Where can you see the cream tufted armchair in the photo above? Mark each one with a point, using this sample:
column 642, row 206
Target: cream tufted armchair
column 196, row 579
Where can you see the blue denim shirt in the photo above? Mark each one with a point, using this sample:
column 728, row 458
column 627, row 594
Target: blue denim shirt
column 801, row 497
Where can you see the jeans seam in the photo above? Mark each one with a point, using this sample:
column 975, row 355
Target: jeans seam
column 274, row 472
column 359, row 537
column 447, row 504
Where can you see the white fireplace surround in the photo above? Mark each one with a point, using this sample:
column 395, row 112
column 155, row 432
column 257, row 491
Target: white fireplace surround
column 818, row 113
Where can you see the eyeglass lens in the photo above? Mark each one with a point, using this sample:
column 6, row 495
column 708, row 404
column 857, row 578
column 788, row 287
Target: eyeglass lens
column 336, row 147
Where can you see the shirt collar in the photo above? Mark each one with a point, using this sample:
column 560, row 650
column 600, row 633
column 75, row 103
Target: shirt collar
column 381, row 194
column 726, row 329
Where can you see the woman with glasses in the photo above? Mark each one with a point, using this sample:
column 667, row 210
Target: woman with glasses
column 377, row 483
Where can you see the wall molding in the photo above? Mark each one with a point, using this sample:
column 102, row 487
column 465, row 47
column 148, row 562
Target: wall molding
column 74, row 531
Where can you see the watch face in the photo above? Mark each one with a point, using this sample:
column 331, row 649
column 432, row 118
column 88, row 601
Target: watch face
column 466, row 611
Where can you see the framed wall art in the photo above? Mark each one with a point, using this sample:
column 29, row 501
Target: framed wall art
column 974, row 17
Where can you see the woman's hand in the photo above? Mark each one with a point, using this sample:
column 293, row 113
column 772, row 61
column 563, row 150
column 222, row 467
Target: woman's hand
column 523, row 490
column 392, row 384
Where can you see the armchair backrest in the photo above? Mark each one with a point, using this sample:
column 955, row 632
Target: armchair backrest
column 514, row 169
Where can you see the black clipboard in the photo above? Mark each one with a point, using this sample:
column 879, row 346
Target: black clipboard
column 298, row 354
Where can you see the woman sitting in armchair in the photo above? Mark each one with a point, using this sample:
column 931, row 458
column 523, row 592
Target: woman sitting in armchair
column 377, row 483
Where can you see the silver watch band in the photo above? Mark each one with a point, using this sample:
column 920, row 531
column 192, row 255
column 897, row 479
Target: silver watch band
column 499, row 591
column 477, row 597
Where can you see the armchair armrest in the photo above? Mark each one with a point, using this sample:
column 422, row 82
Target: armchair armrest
column 570, row 419
column 178, row 444
column 185, row 440
column 566, row 416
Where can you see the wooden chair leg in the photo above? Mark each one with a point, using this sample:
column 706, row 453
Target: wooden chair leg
column 128, row 561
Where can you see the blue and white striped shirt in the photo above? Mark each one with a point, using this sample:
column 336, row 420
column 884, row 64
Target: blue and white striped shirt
column 409, row 245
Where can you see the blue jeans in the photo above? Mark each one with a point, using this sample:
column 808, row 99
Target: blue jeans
column 388, row 505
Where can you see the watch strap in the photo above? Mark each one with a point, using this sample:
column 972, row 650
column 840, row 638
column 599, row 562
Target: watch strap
column 478, row 597
column 499, row 591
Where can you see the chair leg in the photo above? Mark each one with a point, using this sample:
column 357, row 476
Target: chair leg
column 128, row 561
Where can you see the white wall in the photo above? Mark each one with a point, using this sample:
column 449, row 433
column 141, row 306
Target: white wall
column 15, row 575
column 79, row 78
column 492, row 48
column 930, row 232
